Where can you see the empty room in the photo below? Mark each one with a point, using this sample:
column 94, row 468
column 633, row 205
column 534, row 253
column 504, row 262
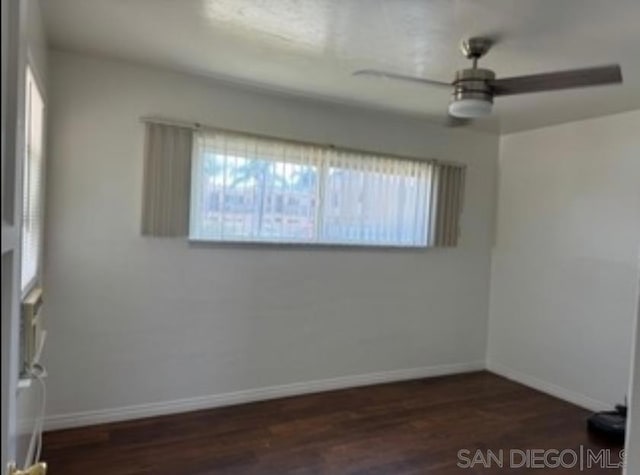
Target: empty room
column 320, row 237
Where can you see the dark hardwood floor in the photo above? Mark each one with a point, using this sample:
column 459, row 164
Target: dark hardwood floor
column 414, row 427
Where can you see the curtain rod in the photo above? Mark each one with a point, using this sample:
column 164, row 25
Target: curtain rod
column 198, row 126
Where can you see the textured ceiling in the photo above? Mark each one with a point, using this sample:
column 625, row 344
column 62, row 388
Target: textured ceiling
column 311, row 47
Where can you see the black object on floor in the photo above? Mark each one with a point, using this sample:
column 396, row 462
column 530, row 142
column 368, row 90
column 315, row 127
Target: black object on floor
column 609, row 424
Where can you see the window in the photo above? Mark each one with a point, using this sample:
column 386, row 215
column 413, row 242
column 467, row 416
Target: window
column 225, row 186
column 32, row 203
column 246, row 188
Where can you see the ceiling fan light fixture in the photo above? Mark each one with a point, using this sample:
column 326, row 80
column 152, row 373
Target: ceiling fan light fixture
column 470, row 108
column 472, row 96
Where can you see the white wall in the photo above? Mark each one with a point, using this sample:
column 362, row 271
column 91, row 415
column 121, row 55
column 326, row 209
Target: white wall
column 565, row 268
column 134, row 320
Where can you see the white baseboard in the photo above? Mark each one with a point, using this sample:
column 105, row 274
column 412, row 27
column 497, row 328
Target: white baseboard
column 78, row 419
column 548, row 388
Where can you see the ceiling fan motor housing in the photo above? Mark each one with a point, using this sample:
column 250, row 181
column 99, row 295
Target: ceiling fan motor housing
column 472, row 95
column 473, row 83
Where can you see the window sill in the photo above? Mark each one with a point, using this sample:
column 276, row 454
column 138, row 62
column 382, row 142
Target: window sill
column 201, row 242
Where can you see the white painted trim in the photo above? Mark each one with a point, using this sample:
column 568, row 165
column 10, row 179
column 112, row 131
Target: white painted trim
column 78, row 419
column 632, row 464
column 548, row 388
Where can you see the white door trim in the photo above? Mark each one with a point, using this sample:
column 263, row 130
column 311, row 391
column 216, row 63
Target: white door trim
column 13, row 60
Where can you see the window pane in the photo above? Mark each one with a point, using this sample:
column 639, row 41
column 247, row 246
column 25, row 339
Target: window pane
column 375, row 201
column 32, row 183
column 256, row 192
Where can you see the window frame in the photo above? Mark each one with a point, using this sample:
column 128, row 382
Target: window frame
column 323, row 168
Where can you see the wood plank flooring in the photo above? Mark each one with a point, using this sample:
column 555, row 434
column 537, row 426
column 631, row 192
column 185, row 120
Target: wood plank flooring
column 413, row 427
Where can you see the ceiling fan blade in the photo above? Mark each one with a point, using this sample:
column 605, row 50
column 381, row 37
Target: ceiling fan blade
column 586, row 77
column 387, row 75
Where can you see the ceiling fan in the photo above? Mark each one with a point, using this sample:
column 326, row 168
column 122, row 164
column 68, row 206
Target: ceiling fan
column 474, row 88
